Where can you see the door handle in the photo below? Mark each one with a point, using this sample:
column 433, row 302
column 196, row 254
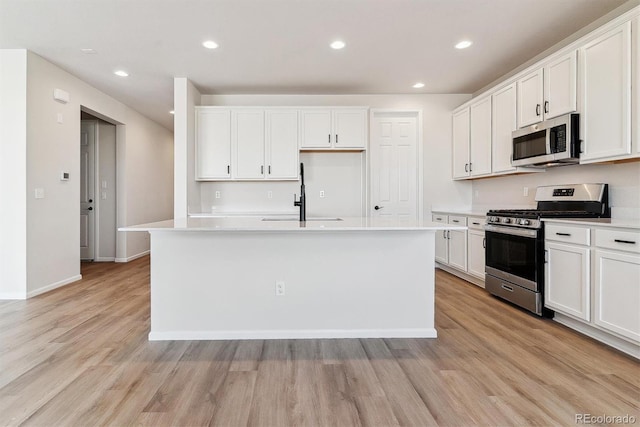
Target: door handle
column 90, row 208
column 376, row 207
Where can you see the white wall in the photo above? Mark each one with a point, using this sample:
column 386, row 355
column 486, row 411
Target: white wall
column 507, row 191
column 436, row 109
column 13, row 173
column 52, row 223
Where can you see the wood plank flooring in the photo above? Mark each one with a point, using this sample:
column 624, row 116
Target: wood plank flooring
column 79, row 356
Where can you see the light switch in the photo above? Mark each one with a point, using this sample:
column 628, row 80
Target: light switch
column 60, row 118
column 104, row 183
column 104, row 195
column 39, row 193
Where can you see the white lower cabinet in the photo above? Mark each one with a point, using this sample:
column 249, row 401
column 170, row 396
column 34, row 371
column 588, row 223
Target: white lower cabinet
column 475, row 253
column 442, row 242
column 592, row 275
column 458, row 244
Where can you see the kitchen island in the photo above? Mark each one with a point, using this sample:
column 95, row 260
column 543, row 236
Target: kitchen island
column 257, row 278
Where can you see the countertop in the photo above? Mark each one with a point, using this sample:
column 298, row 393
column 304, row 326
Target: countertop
column 598, row 222
column 318, row 224
column 462, row 212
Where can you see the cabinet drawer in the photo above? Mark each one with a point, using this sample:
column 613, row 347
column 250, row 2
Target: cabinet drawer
column 457, row 220
column 567, row 234
column 440, row 218
column 618, row 239
column 476, row 223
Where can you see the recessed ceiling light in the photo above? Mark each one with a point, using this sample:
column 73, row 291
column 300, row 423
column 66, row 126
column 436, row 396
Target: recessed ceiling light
column 210, row 44
column 464, row 44
column 172, row 112
column 121, row 73
column 418, row 85
column 338, row 44
column 88, row 51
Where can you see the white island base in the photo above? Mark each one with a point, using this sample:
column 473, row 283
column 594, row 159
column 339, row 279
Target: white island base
column 219, row 282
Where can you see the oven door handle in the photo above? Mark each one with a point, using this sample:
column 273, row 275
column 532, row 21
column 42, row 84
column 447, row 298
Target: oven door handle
column 512, row 231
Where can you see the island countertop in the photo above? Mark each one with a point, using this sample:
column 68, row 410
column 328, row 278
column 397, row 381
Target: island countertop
column 272, row 223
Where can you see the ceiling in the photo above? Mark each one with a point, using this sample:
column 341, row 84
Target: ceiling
column 282, row 46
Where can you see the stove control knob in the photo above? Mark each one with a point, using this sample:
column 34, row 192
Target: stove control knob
column 493, row 219
column 525, row 222
column 506, row 220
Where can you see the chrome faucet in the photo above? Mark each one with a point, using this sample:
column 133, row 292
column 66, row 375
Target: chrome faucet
column 303, row 198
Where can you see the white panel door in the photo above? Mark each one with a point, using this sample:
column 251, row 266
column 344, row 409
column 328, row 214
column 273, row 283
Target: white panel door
column 606, row 95
column 503, row 120
column 480, row 138
column 350, row 128
column 282, row 144
column 617, row 293
column 247, row 136
column 460, row 146
column 315, row 128
column 568, row 280
column 87, row 189
column 560, row 86
column 475, row 252
column 213, row 144
column 530, row 89
column 394, row 173
column 458, row 249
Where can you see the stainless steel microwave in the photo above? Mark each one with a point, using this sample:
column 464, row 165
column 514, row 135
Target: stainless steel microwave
column 552, row 142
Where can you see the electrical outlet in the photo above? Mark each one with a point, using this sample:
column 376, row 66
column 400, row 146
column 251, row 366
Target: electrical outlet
column 39, row 193
column 525, row 191
column 104, row 195
column 217, row 194
column 280, row 288
column 322, row 194
column 269, row 194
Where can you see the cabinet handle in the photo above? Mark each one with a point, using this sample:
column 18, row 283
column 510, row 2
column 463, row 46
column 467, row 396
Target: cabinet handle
column 336, row 138
column 537, row 109
column 444, row 234
column 454, row 220
column 449, row 234
column 269, row 169
column 630, row 242
column 546, row 107
column 546, row 256
column 228, row 169
column 563, row 234
column 484, row 242
column 262, row 170
column 329, row 138
column 475, row 223
column 470, row 167
column 466, row 167
column 507, row 288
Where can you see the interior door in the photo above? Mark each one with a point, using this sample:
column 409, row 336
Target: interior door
column 394, row 174
column 87, row 189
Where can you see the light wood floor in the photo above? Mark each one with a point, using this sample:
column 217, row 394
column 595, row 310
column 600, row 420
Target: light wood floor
column 80, row 356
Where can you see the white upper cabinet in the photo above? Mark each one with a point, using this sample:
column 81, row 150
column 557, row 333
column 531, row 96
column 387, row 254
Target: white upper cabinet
column 213, row 144
column 503, row 124
column 549, row 91
column 335, row 129
column 480, row 138
column 281, row 131
column 460, row 154
column 247, row 133
column 605, row 76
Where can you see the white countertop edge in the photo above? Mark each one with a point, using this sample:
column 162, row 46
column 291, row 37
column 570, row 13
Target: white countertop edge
column 459, row 212
column 598, row 222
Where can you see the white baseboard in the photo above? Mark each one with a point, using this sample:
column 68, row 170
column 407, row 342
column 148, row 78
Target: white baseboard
column 104, row 259
column 12, row 295
column 132, row 257
column 54, row 286
column 624, row 346
column 461, row 274
column 292, row 334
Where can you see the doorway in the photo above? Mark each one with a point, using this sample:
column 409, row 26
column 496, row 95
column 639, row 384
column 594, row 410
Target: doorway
column 98, row 202
column 396, row 164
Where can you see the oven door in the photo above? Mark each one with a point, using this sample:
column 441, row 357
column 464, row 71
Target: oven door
column 516, row 255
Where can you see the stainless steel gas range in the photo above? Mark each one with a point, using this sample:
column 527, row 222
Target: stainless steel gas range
column 514, row 253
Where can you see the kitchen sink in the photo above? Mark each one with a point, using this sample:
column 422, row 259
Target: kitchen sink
column 286, row 218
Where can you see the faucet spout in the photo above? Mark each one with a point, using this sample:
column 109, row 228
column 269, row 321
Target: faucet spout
column 302, row 203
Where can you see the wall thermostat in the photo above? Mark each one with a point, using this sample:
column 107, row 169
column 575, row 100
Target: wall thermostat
column 61, row 95
column 64, row 176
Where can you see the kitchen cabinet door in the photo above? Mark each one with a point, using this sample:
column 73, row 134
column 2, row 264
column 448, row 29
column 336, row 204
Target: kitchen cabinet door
column 605, row 70
column 480, row 138
column 442, row 247
column 503, row 119
column 316, row 128
column 635, row 67
column 460, row 146
column 475, row 253
column 530, row 88
column 567, row 279
column 213, row 144
column 458, row 249
column 247, row 134
column 560, row 86
column 617, row 293
column 281, row 129
column 349, row 128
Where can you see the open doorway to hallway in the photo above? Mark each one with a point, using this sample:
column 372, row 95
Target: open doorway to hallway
column 98, row 201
